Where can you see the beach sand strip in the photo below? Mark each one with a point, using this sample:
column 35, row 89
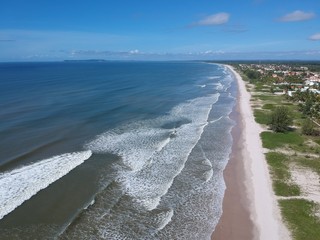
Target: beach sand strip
column 250, row 209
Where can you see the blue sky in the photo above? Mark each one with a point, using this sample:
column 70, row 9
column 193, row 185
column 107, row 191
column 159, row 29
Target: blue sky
column 159, row 30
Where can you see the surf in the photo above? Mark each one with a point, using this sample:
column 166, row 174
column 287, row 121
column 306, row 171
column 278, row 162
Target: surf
column 20, row 184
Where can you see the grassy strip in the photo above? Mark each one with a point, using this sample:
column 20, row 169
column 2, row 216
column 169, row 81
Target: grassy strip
column 272, row 140
column 300, row 215
column 317, row 141
column 261, row 116
column 293, row 108
column 260, row 87
column 279, row 164
column 270, row 98
column 313, row 164
column 269, row 106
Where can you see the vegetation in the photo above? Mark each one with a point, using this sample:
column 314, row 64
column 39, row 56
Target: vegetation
column 269, row 99
column 261, row 87
column 313, row 164
column 280, row 119
column 261, row 116
column 282, row 185
column 300, row 215
column 291, row 148
column 252, row 75
column 272, row 140
column 268, row 106
column 309, row 103
column 308, row 127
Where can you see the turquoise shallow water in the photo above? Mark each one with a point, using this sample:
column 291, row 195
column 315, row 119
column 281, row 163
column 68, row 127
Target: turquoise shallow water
column 113, row 150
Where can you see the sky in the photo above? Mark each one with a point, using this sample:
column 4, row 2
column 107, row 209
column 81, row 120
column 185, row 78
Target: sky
column 38, row 30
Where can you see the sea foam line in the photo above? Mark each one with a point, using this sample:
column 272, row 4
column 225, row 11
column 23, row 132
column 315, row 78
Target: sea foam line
column 155, row 156
column 19, row 185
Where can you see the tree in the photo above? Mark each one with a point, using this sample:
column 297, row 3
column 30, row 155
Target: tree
column 280, row 119
column 252, row 75
column 307, row 110
column 308, row 127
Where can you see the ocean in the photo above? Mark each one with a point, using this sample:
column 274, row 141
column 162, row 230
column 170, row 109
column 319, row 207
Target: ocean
column 113, row 150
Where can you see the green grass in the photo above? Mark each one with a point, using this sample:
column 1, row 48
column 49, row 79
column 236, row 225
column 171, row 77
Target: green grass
column 270, row 98
column 317, row 140
column 305, row 148
column 285, row 189
column 313, row 164
column 274, row 140
column 293, row 109
column 274, row 101
column 281, row 176
column 294, row 112
column 279, row 165
column 261, row 116
column 299, row 214
column 269, row 106
column 260, row 87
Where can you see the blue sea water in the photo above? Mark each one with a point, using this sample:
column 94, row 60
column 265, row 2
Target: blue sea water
column 113, row 150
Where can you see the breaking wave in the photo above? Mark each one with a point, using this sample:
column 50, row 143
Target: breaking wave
column 18, row 185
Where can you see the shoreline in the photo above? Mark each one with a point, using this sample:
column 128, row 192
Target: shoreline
column 250, row 209
column 235, row 222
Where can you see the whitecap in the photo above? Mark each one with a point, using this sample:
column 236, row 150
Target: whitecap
column 153, row 156
column 214, row 77
column 19, row 185
column 207, row 175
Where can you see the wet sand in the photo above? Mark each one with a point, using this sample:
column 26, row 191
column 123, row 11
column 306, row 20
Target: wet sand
column 250, row 209
column 235, row 222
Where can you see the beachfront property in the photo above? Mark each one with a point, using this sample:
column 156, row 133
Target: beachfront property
column 292, row 155
column 286, row 78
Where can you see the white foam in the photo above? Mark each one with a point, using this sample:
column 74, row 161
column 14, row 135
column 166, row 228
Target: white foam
column 135, row 146
column 219, row 86
column 230, row 96
column 214, row 77
column 90, row 204
column 206, row 162
column 21, row 184
column 152, row 199
column 207, row 175
column 148, row 203
column 155, row 155
column 166, row 218
column 216, row 120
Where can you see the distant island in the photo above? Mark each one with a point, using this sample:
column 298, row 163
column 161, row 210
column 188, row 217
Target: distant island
column 87, row 60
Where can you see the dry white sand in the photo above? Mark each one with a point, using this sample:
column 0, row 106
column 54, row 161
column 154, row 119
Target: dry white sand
column 308, row 181
column 264, row 209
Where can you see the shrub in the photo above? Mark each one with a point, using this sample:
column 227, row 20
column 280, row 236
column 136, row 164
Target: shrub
column 308, row 127
column 280, row 119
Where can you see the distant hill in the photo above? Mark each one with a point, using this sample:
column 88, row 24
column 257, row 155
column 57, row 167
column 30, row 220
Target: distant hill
column 87, row 60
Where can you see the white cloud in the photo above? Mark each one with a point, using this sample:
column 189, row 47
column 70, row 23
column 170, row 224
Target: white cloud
column 297, row 16
column 136, row 51
column 215, row 19
column 211, row 52
column 315, row 37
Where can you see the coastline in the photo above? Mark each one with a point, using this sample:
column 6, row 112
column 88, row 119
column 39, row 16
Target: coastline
column 235, row 222
column 250, row 209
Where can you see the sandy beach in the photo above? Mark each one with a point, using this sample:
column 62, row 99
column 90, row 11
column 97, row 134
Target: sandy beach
column 250, row 209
